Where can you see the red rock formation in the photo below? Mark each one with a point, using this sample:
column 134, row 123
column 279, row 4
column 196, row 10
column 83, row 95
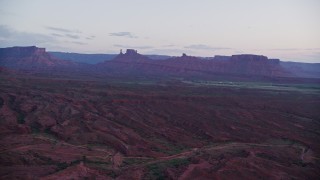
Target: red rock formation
column 255, row 65
column 131, row 55
column 21, row 52
column 132, row 62
column 29, row 57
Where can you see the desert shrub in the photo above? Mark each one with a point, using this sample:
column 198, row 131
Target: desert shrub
column 1, row 102
column 75, row 162
column 20, row 118
column 131, row 161
column 62, row 166
column 157, row 171
column 35, row 127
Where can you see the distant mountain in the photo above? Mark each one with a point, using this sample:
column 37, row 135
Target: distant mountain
column 83, row 58
column 298, row 69
column 311, row 70
column 221, row 58
column 134, row 62
column 95, row 58
column 30, row 58
column 158, row 57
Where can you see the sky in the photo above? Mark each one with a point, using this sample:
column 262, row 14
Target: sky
column 284, row 29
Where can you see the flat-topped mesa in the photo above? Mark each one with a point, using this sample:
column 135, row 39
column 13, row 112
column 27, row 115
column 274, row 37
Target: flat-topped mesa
column 185, row 57
column 250, row 58
column 29, row 57
column 255, row 65
column 22, row 52
column 131, row 52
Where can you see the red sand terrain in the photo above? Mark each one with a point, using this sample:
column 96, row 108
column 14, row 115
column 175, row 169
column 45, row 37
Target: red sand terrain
column 106, row 128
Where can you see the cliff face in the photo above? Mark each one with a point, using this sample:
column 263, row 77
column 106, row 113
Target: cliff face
column 255, row 64
column 237, row 64
column 132, row 62
column 29, row 57
column 22, row 52
column 253, row 59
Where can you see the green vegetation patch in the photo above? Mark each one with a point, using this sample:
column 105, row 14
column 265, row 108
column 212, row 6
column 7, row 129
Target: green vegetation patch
column 305, row 88
column 157, row 171
column 169, row 147
column 133, row 161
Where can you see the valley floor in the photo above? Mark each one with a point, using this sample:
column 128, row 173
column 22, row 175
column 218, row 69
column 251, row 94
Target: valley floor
column 116, row 128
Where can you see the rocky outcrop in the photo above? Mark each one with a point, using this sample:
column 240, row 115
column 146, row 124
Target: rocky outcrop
column 131, row 55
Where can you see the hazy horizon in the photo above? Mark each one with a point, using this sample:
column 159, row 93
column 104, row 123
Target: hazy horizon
column 286, row 29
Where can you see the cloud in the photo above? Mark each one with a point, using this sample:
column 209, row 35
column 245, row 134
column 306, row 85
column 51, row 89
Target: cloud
column 204, row 47
column 123, row 34
column 169, row 45
column 169, row 51
column 284, row 49
column 90, row 37
column 238, row 52
column 5, row 31
column 78, row 42
column 62, row 30
column 295, row 49
column 5, row 12
column 132, row 47
column 199, row 47
column 12, row 37
column 312, row 49
column 72, row 36
column 57, row 35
